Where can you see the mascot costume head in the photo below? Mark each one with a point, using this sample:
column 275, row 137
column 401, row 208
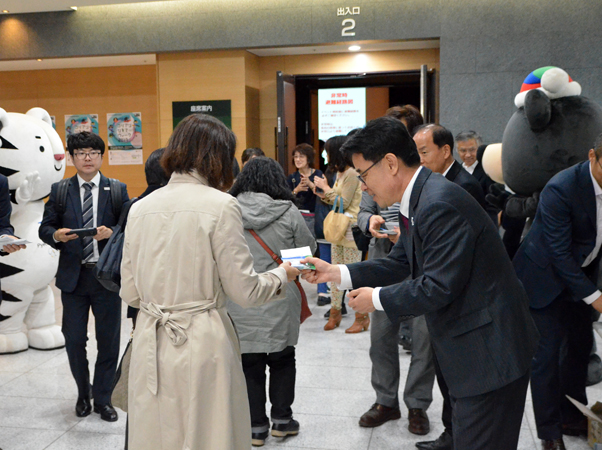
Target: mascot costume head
column 553, row 129
column 32, row 157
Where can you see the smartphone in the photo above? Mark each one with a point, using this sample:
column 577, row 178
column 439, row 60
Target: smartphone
column 385, row 231
column 83, row 232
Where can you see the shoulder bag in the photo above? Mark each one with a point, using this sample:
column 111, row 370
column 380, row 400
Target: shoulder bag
column 305, row 311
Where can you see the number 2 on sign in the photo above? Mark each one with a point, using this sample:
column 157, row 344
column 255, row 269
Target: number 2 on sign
column 347, row 29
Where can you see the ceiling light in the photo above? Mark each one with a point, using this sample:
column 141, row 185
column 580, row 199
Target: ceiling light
column 5, row 11
column 354, row 48
column 74, row 8
column 39, row 59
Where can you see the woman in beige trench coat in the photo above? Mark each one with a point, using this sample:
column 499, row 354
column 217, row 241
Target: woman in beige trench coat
column 184, row 254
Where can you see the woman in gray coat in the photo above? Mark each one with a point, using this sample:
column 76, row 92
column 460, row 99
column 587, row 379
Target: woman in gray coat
column 269, row 333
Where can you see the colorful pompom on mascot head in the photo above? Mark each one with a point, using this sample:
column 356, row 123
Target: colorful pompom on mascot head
column 32, row 156
column 553, row 128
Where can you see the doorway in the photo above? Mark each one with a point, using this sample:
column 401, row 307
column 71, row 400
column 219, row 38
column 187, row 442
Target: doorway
column 298, row 105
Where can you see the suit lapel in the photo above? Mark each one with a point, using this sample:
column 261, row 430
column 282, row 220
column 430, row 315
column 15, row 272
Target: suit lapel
column 103, row 198
column 453, row 171
column 75, row 199
column 414, row 197
column 589, row 195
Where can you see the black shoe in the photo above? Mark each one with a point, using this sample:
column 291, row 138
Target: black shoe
column 323, row 300
column 443, row 442
column 107, row 412
column 406, row 343
column 258, row 439
column 83, row 407
column 290, row 428
column 343, row 312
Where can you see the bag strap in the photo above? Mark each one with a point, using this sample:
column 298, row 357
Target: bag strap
column 61, row 196
column 276, row 258
column 116, row 197
column 338, row 199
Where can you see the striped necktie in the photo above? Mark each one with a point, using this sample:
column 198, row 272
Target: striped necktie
column 88, row 221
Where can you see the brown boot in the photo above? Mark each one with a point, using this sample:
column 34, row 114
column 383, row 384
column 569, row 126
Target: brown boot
column 362, row 322
column 334, row 320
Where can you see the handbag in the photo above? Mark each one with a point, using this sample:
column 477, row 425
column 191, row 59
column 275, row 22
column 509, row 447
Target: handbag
column 119, row 397
column 108, row 268
column 305, row 311
column 336, row 223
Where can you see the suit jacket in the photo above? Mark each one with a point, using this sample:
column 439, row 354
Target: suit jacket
column 465, row 180
column 562, row 236
column 368, row 207
column 72, row 251
column 477, row 312
column 5, row 211
column 486, row 182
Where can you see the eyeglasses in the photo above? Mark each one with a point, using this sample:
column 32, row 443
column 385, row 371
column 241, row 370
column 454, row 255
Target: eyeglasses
column 363, row 174
column 83, row 155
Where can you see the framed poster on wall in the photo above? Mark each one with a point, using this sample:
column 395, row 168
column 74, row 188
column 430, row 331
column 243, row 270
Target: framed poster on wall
column 125, row 138
column 220, row 109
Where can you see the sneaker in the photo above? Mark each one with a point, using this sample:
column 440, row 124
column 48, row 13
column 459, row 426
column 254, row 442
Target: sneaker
column 258, row 439
column 290, row 428
column 323, row 300
column 343, row 312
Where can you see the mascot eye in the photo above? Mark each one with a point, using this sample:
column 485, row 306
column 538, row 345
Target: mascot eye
column 41, row 148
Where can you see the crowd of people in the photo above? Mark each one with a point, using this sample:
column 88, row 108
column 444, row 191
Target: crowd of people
column 214, row 307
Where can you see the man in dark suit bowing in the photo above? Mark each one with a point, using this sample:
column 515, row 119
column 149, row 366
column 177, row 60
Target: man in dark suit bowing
column 477, row 314
column 558, row 265
column 435, row 146
column 88, row 204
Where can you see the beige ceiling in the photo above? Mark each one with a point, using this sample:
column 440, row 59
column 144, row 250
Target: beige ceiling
column 29, row 6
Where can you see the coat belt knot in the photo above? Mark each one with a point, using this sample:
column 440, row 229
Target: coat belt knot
column 175, row 320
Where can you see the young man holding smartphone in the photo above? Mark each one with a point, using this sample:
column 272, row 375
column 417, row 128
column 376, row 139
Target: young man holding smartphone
column 88, row 205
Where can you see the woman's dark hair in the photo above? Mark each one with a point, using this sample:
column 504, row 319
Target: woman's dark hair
column 85, row 139
column 250, row 153
column 155, row 175
column 263, row 175
column 409, row 113
column 381, row 136
column 203, row 144
column 337, row 159
column 308, row 151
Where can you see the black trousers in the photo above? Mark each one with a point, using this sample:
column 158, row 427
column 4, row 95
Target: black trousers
column 446, row 414
column 106, row 307
column 490, row 421
column 559, row 373
column 281, row 389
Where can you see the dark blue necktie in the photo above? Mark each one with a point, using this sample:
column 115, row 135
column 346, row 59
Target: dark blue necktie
column 88, row 221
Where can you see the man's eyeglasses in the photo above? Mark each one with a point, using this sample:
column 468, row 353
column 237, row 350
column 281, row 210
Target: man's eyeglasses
column 363, row 174
column 83, row 155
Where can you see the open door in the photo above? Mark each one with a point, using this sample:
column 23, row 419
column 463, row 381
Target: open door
column 427, row 95
column 286, row 138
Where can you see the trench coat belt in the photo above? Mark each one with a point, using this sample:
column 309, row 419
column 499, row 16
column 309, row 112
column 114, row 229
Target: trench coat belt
column 175, row 320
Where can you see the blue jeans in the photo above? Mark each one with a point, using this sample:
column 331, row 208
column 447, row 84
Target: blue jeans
column 324, row 256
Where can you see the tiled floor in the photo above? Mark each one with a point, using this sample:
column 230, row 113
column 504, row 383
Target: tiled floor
column 37, row 398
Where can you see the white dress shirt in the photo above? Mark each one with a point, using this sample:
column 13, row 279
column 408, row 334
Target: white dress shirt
column 448, row 167
column 598, row 193
column 82, row 192
column 470, row 169
column 404, row 209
